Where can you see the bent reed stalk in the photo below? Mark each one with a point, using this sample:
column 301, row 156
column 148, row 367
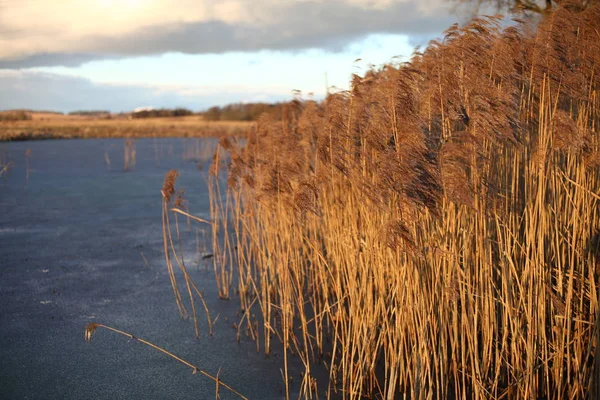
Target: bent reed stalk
column 90, row 330
column 433, row 232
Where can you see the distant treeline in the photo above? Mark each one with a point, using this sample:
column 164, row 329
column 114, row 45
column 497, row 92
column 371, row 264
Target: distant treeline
column 162, row 112
column 230, row 112
column 90, row 113
column 242, row 111
column 17, row 115
column 31, row 111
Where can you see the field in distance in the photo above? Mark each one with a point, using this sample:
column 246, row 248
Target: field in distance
column 48, row 125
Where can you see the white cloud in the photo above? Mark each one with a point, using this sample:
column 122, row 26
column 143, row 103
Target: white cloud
column 59, row 32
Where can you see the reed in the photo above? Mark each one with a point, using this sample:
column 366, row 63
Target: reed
column 27, row 156
column 434, row 231
column 172, row 253
column 91, row 328
column 5, row 162
column 5, row 167
column 129, row 154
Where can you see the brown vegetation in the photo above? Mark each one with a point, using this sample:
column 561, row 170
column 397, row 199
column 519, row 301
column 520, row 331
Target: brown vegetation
column 434, row 231
column 17, row 115
column 58, row 126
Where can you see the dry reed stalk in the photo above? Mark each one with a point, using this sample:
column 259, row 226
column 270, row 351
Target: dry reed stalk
column 90, row 330
column 145, row 259
column 167, row 192
column 129, row 154
column 6, row 167
column 219, row 209
column 171, row 252
column 107, row 159
column 27, row 156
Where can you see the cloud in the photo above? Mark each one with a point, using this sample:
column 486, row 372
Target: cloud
column 65, row 32
column 51, row 59
column 44, row 91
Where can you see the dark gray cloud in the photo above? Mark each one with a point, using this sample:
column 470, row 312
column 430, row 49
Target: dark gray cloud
column 329, row 25
column 52, row 59
column 43, row 91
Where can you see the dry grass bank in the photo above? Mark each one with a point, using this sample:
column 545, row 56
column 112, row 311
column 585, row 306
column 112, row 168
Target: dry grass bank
column 435, row 231
column 57, row 126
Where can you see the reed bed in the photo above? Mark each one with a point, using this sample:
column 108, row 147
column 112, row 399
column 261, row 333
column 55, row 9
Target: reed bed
column 434, row 232
column 70, row 127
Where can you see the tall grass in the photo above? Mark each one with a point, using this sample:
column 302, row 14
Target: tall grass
column 435, row 231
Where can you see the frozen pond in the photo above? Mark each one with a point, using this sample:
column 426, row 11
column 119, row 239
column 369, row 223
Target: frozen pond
column 73, row 226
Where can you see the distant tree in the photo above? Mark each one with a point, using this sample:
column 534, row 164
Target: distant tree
column 90, row 113
column 212, row 114
column 16, row 115
column 242, row 112
column 181, row 112
column 161, row 113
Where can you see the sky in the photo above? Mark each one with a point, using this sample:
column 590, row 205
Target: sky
column 119, row 55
